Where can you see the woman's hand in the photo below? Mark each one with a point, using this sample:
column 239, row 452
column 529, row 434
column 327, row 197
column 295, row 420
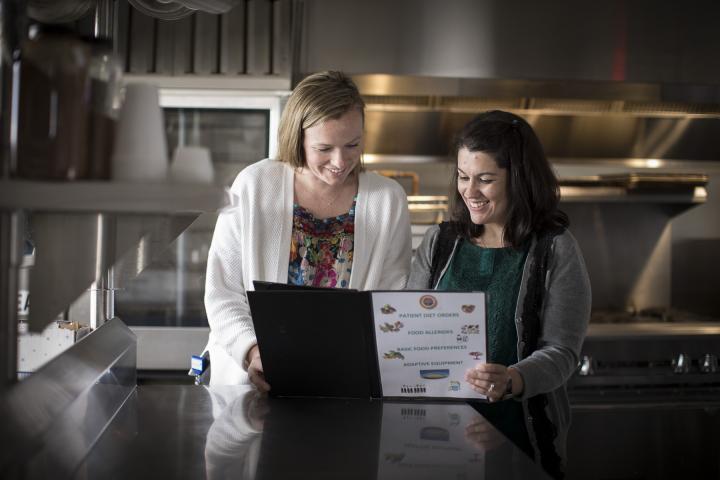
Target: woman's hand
column 482, row 435
column 256, row 408
column 492, row 380
column 255, row 370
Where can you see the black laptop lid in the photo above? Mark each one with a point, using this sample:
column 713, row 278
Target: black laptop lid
column 316, row 342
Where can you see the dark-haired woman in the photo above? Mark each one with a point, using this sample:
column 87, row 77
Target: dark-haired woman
column 508, row 238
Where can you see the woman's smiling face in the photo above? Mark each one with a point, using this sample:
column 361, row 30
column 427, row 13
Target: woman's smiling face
column 333, row 147
column 483, row 187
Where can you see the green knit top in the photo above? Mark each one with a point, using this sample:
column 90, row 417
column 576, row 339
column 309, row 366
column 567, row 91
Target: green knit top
column 497, row 272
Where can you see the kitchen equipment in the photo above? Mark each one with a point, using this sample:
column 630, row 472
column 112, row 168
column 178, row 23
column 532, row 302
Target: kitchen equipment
column 402, row 175
column 141, row 147
column 191, row 164
column 427, row 209
column 58, row 11
column 164, row 10
column 662, row 441
column 164, row 304
column 175, row 10
column 642, row 376
column 654, row 355
column 633, row 185
column 53, row 105
column 105, row 72
column 682, row 363
column 709, row 363
column 211, row 6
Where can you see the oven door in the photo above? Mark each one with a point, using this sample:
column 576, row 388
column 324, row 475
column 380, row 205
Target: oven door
column 646, row 402
column 163, row 305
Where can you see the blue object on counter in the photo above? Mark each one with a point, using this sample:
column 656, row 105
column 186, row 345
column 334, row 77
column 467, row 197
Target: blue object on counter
column 198, row 364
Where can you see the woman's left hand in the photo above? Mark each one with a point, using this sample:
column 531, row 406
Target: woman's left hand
column 492, row 380
column 481, row 434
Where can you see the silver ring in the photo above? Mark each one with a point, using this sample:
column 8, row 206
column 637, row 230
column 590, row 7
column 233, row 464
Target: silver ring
column 492, row 387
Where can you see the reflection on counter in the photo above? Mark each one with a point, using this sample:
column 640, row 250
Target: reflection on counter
column 233, row 441
column 262, row 438
column 233, row 432
column 430, row 441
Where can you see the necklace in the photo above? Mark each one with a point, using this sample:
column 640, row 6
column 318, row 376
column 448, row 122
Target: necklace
column 329, row 203
column 316, row 201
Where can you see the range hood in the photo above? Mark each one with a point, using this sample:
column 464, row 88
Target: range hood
column 632, row 124
column 653, row 133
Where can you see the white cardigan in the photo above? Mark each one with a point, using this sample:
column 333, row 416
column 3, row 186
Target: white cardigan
column 252, row 242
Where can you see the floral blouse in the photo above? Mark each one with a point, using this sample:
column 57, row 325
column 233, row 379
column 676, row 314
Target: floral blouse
column 321, row 250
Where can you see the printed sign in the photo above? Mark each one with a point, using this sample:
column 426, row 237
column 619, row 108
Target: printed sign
column 23, row 303
column 427, row 341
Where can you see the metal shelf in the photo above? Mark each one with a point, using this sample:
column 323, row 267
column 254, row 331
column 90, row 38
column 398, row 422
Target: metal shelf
column 614, row 331
column 602, row 194
column 94, row 234
column 111, row 197
column 646, row 187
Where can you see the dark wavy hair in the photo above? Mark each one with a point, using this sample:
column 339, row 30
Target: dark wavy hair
column 532, row 188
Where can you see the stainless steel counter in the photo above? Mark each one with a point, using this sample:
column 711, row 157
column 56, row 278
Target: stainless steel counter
column 232, row 432
column 82, row 416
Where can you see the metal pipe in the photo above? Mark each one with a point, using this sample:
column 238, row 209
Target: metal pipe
column 104, row 18
column 96, row 306
column 108, row 275
column 102, row 297
column 12, row 31
column 4, row 151
column 180, row 280
column 11, row 250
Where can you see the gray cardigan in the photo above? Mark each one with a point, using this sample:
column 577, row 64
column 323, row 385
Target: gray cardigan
column 564, row 317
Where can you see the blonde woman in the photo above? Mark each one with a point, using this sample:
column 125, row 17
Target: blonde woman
column 312, row 216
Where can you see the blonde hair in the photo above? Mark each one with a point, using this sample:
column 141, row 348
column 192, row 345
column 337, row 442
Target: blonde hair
column 319, row 97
